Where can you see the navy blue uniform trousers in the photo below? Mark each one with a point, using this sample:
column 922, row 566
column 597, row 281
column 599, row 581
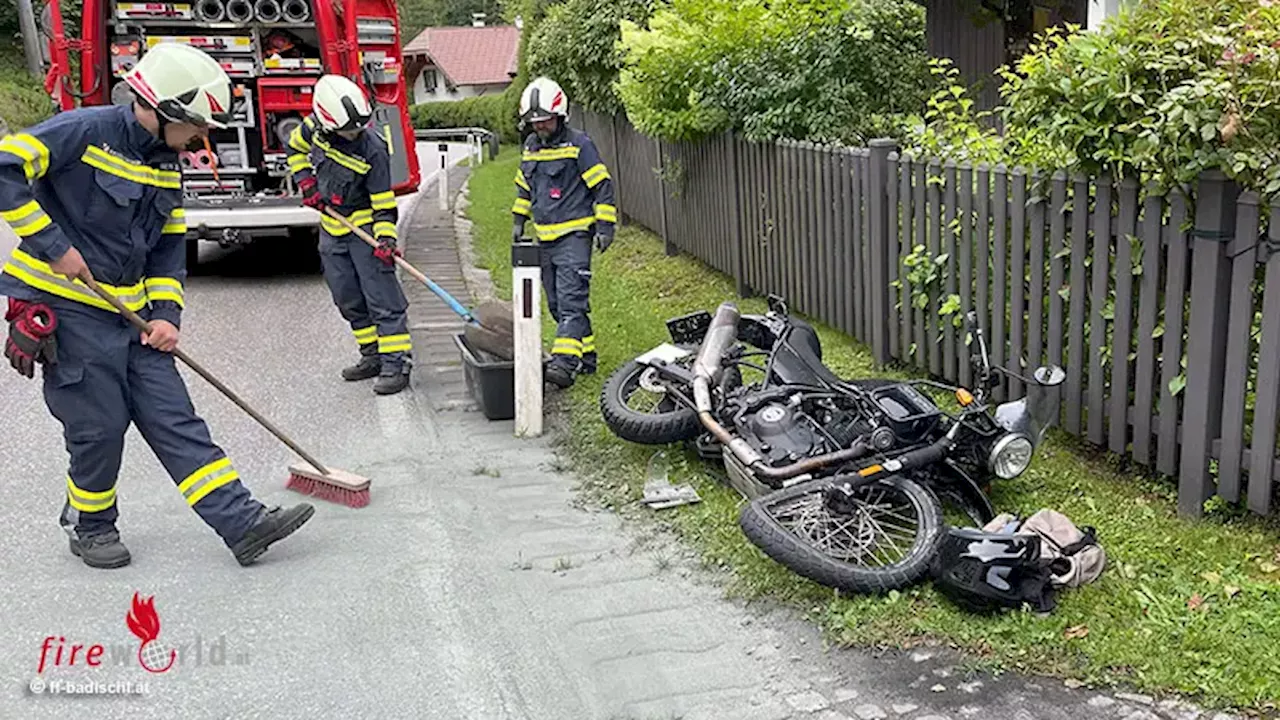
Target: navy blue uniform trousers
column 369, row 297
column 105, row 379
column 566, row 279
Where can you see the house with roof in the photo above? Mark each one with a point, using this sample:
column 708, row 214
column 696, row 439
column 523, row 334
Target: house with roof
column 452, row 63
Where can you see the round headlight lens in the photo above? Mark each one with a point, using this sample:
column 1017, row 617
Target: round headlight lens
column 1011, row 456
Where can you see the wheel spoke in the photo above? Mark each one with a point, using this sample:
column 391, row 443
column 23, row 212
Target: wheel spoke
column 880, row 529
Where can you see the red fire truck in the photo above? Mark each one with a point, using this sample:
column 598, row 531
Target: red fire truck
column 274, row 51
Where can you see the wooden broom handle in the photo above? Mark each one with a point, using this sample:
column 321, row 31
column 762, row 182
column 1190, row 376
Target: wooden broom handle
column 374, row 243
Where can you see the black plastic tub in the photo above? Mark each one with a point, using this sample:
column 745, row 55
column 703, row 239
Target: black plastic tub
column 490, row 380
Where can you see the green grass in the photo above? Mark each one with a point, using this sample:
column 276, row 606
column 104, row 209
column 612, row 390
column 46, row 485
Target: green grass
column 23, row 101
column 1189, row 607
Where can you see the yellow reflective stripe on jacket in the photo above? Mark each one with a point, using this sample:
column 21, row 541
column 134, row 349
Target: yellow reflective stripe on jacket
column 606, row 213
column 551, row 232
column 596, row 175
column 394, row 343
column 27, row 220
column 366, row 336
column 34, row 154
column 39, row 275
column 144, row 174
column 383, row 200
column 523, row 206
column 298, row 162
column 567, row 346
column 207, row 479
column 90, row 502
column 297, row 142
column 358, row 218
column 521, row 181
column 343, row 159
column 564, row 153
column 163, row 288
column 177, row 222
column 383, row 228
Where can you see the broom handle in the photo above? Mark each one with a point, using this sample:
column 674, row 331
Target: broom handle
column 439, row 291
column 145, row 327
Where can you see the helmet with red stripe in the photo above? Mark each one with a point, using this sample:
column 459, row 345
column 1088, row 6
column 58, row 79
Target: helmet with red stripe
column 340, row 105
column 543, row 99
column 183, row 85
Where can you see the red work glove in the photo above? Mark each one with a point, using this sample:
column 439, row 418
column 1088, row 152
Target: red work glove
column 310, row 195
column 31, row 339
column 387, row 251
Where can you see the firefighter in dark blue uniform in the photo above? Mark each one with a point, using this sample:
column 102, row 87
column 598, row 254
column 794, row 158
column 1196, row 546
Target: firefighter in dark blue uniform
column 352, row 174
column 96, row 192
column 563, row 185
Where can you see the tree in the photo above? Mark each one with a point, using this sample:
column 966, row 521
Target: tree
column 418, row 14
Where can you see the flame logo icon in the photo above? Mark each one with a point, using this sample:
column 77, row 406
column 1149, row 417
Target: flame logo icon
column 145, row 624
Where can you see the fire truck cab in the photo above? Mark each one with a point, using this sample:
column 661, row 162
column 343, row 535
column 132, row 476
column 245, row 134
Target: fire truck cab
column 274, row 51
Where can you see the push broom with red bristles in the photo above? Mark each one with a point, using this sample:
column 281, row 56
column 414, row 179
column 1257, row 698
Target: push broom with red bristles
column 313, row 479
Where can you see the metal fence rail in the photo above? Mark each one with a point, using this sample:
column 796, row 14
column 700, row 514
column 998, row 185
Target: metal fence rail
column 1166, row 318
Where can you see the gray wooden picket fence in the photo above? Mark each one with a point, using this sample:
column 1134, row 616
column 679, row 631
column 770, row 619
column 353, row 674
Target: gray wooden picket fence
column 1164, row 312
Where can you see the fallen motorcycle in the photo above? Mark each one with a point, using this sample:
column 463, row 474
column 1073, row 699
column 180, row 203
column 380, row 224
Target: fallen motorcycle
column 844, row 479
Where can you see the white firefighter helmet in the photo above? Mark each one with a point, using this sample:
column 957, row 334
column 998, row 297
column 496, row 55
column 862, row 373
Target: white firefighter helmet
column 543, row 99
column 183, row 84
column 340, row 104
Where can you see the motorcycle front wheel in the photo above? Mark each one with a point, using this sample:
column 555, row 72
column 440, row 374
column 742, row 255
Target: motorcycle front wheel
column 871, row 539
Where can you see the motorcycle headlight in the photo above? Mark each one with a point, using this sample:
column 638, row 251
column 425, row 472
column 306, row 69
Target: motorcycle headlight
column 1011, row 456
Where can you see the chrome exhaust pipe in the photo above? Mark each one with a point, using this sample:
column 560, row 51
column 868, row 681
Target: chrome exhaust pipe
column 211, row 10
column 296, row 11
column 239, row 11
column 267, row 11
column 708, row 365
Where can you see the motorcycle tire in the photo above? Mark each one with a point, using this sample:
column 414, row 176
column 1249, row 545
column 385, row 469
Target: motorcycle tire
column 762, row 526
column 674, row 424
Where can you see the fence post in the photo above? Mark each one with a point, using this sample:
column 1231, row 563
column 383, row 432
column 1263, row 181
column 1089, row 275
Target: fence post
column 617, row 168
column 739, row 263
column 668, row 246
column 878, row 237
column 1215, row 219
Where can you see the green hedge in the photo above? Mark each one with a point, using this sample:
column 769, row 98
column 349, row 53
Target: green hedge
column 492, row 112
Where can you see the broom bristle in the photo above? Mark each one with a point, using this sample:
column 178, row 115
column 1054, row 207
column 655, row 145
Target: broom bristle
column 325, row 491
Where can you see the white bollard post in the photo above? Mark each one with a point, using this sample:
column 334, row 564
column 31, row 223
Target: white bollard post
column 443, row 181
column 526, row 284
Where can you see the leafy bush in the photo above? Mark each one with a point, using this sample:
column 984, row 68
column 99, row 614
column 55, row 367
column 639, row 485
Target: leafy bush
column 576, row 45
column 823, row 70
column 492, row 112
column 1163, row 91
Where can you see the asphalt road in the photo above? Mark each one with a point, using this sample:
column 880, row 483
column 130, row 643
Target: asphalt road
column 471, row 588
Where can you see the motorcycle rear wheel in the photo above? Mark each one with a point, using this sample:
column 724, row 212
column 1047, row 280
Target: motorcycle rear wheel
column 868, row 550
column 666, row 421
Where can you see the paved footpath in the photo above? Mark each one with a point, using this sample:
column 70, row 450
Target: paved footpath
column 472, row 588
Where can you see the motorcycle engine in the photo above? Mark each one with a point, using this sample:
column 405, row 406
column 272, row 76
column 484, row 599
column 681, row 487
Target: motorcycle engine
column 786, row 433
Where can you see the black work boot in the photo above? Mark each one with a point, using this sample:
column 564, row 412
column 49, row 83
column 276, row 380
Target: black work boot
column 101, row 550
column 392, row 383
column 368, row 367
column 559, row 374
column 275, row 524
